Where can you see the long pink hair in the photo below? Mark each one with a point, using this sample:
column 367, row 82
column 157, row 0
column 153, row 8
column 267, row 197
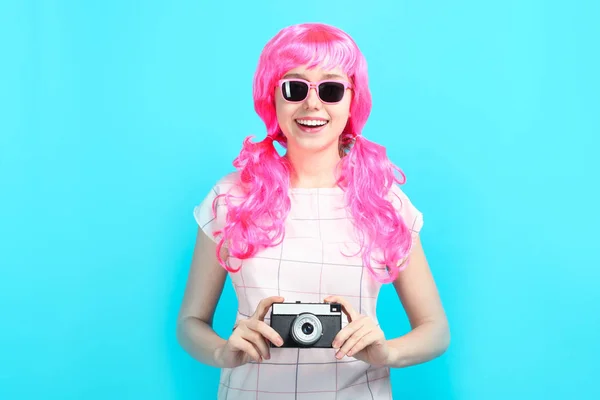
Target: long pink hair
column 255, row 219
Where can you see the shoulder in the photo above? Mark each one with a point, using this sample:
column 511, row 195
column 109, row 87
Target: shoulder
column 211, row 215
column 411, row 215
column 397, row 197
column 227, row 182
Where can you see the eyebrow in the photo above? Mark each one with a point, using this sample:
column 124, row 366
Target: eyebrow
column 326, row 76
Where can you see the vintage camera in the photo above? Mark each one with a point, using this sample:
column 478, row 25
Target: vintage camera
column 307, row 324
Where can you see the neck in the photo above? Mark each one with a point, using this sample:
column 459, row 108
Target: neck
column 313, row 169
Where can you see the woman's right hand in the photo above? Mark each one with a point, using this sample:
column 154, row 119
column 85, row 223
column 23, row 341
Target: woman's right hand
column 249, row 338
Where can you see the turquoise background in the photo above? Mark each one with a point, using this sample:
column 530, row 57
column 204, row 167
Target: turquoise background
column 118, row 116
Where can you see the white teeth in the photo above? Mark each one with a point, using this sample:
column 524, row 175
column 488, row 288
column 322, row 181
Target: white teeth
column 311, row 122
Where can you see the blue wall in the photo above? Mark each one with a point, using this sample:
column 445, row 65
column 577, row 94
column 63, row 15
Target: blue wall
column 116, row 119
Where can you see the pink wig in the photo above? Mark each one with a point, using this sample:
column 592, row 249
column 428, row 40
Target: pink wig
column 255, row 219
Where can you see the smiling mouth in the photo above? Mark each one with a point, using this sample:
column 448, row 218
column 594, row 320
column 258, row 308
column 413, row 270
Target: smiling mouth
column 311, row 127
column 311, row 123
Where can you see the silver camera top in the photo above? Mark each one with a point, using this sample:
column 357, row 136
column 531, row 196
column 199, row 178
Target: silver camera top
column 315, row 308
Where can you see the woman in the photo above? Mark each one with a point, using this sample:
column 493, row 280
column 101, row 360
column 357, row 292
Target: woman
column 326, row 222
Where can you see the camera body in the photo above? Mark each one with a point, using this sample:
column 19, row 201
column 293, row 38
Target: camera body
column 312, row 325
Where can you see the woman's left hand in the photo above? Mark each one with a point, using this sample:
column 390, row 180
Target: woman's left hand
column 361, row 338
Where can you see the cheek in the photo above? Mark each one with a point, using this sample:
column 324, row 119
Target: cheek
column 341, row 111
column 340, row 115
column 285, row 112
column 279, row 109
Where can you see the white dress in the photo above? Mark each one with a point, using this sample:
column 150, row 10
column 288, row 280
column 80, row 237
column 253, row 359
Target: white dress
column 307, row 266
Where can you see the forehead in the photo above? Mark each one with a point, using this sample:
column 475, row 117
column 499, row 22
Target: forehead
column 316, row 74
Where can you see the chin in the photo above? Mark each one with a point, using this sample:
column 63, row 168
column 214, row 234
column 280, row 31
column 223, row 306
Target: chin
column 315, row 145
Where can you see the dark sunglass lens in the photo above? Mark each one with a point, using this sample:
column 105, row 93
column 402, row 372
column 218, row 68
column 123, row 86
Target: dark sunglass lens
column 331, row 92
column 294, row 90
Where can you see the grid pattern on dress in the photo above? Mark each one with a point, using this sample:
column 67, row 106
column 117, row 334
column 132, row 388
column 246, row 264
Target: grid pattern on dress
column 307, row 266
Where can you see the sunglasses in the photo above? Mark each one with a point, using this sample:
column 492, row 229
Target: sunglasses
column 296, row 90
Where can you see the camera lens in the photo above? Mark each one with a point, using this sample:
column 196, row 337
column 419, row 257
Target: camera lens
column 307, row 328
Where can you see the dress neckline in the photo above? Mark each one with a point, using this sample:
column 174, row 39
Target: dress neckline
column 325, row 190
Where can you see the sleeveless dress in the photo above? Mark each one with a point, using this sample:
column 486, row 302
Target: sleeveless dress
column 317, row 258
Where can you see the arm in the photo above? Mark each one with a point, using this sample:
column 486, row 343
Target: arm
column 203, row 290
column 429, row 337
column 430, row 334
column 194, row 325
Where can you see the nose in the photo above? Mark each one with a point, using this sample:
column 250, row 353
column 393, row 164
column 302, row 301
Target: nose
column 312, row 101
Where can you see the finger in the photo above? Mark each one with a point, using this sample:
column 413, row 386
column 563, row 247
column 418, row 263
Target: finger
column 353, row 340
column 266, row 331
column 247, row 347
column 346, row 306
column 258, row 341
column 346, row 332
column 264, row 305
column 365, row 341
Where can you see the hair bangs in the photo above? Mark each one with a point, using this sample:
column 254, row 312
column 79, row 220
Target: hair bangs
column 317, row 49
